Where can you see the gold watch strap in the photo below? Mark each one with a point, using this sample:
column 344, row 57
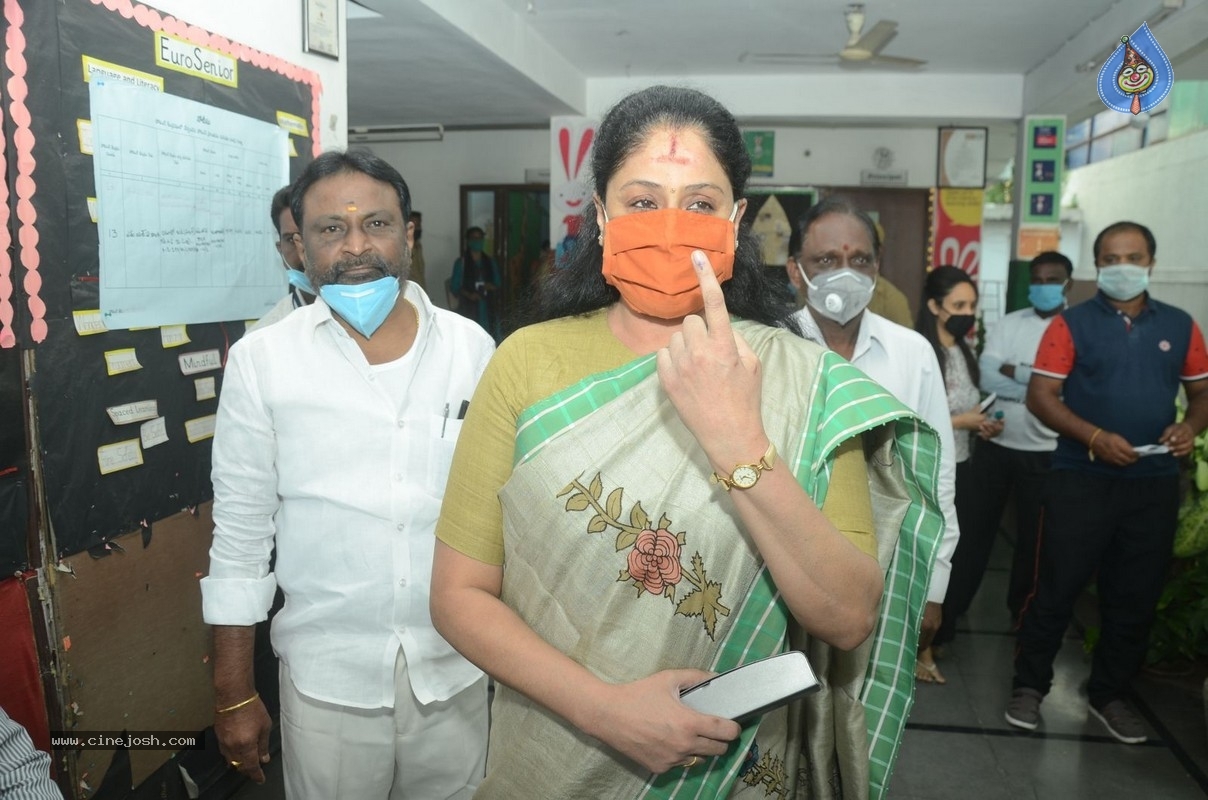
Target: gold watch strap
column 766, row 462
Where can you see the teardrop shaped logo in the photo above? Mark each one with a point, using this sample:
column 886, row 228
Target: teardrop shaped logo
column 1137, row 76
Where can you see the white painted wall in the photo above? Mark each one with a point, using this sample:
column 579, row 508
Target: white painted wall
column 847, row 96
column 1161, row 187
column 276, row 28
column 836, row 155
column 435, row 171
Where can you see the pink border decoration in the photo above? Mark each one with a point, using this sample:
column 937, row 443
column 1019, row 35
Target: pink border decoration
column 7, row 337
column 23, row 140
column 150, row 18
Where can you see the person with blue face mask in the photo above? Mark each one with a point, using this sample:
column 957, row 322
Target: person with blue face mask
column 475, row 281
column 1105, row 378
column 335, row 432
column 835, row 260
column 301, row 293
column 1017, row 460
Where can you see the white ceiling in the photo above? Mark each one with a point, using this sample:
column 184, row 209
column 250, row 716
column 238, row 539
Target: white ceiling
column 493, row 63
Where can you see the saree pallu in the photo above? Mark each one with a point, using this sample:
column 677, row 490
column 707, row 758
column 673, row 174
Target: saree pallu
column 621, row 553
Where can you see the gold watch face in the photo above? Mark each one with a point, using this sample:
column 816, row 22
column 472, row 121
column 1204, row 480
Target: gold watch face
column 744, row 476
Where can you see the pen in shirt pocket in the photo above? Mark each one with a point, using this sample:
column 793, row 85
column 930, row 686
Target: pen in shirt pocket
column 444, row 423
column 465, row 406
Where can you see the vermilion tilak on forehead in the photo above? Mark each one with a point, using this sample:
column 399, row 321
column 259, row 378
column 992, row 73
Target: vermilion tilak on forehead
column 671, row 154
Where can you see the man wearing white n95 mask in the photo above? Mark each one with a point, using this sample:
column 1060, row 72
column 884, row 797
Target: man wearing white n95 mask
column 335, row 431
column 834, row 256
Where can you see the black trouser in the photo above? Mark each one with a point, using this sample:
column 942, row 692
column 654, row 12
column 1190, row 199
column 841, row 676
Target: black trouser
column 1122, row 528
column 983, row 484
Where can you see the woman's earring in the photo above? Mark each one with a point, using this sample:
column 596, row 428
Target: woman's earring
column 600, row 240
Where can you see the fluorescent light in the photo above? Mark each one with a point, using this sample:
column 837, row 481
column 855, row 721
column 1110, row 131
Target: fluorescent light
column 430, row 132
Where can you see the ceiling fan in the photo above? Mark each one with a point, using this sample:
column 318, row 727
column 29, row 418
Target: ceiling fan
column 863, row 49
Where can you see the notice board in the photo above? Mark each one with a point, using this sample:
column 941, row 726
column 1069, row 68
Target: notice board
column 124, row 415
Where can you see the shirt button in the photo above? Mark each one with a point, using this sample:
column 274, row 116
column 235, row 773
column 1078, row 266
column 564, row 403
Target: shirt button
column 400, row 423
column 402, row 581
column 399, row 526
column 398, row 477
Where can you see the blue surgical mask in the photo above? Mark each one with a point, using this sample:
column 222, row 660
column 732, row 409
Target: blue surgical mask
column 297, row 278
column 1123, row 281
column 364, row 306
column 1046, row 296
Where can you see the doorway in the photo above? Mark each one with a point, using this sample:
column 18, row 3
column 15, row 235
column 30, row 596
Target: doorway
column 515, row 220
column 905, row 217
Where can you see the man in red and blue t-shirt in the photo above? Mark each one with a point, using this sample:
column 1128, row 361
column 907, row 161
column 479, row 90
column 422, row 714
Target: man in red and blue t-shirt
column 1105, row 378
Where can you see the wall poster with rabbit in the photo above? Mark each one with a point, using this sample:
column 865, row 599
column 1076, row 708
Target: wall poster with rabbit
column 571, row 139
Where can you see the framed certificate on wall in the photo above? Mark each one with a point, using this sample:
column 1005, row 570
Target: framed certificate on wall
column 321, row 27
column 962, row 158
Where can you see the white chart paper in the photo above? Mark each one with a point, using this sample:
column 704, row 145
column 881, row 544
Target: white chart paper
column 183, row 192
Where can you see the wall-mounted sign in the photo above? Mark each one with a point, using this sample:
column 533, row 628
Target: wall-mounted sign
column 761, row 147
column 962, row 158
column 884, row 177
column 1044, row 162
column 1034, row 240
column 321, row 27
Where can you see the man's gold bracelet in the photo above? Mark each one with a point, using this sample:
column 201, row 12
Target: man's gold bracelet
column 251, row 699
column 1090, row 446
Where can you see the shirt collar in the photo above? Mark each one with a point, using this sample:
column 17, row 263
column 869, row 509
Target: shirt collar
column 869, row 330
column 1105, row 303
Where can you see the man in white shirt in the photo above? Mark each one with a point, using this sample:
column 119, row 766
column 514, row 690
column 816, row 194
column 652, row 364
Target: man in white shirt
column 1019, row 457
column 335, row 431
column 291, row 259
column 834, row 255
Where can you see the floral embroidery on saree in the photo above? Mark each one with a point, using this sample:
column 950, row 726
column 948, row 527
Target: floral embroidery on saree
column 654, row 558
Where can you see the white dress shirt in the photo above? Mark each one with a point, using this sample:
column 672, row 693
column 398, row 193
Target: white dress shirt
column 1014, row 339
column 346, row 464
column 904, row 363
column 294, row 299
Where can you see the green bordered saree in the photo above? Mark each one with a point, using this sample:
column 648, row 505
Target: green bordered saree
column 622, row 554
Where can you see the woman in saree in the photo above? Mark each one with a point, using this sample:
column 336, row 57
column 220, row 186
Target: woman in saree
column 660, row 481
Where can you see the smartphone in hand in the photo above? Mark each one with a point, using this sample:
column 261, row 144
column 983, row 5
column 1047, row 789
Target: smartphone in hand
column 754, row 688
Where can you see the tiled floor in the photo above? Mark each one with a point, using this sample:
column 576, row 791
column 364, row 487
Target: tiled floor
column 959, row 747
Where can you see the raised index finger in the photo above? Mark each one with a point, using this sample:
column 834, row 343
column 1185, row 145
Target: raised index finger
column 717, row 316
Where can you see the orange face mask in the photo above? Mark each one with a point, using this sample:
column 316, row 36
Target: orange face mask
column 648, row 257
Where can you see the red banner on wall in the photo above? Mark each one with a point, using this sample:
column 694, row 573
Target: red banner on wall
column 958, row 220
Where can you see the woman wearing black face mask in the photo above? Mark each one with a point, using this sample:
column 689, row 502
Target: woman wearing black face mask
column 946, row 317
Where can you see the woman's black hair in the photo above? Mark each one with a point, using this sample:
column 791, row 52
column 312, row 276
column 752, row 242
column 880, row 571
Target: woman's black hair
column 579, row 287
column 938, row 285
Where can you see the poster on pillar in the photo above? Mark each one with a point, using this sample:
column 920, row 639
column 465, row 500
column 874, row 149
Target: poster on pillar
column 957, row 233
column 571, row 139
column 125, row 415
